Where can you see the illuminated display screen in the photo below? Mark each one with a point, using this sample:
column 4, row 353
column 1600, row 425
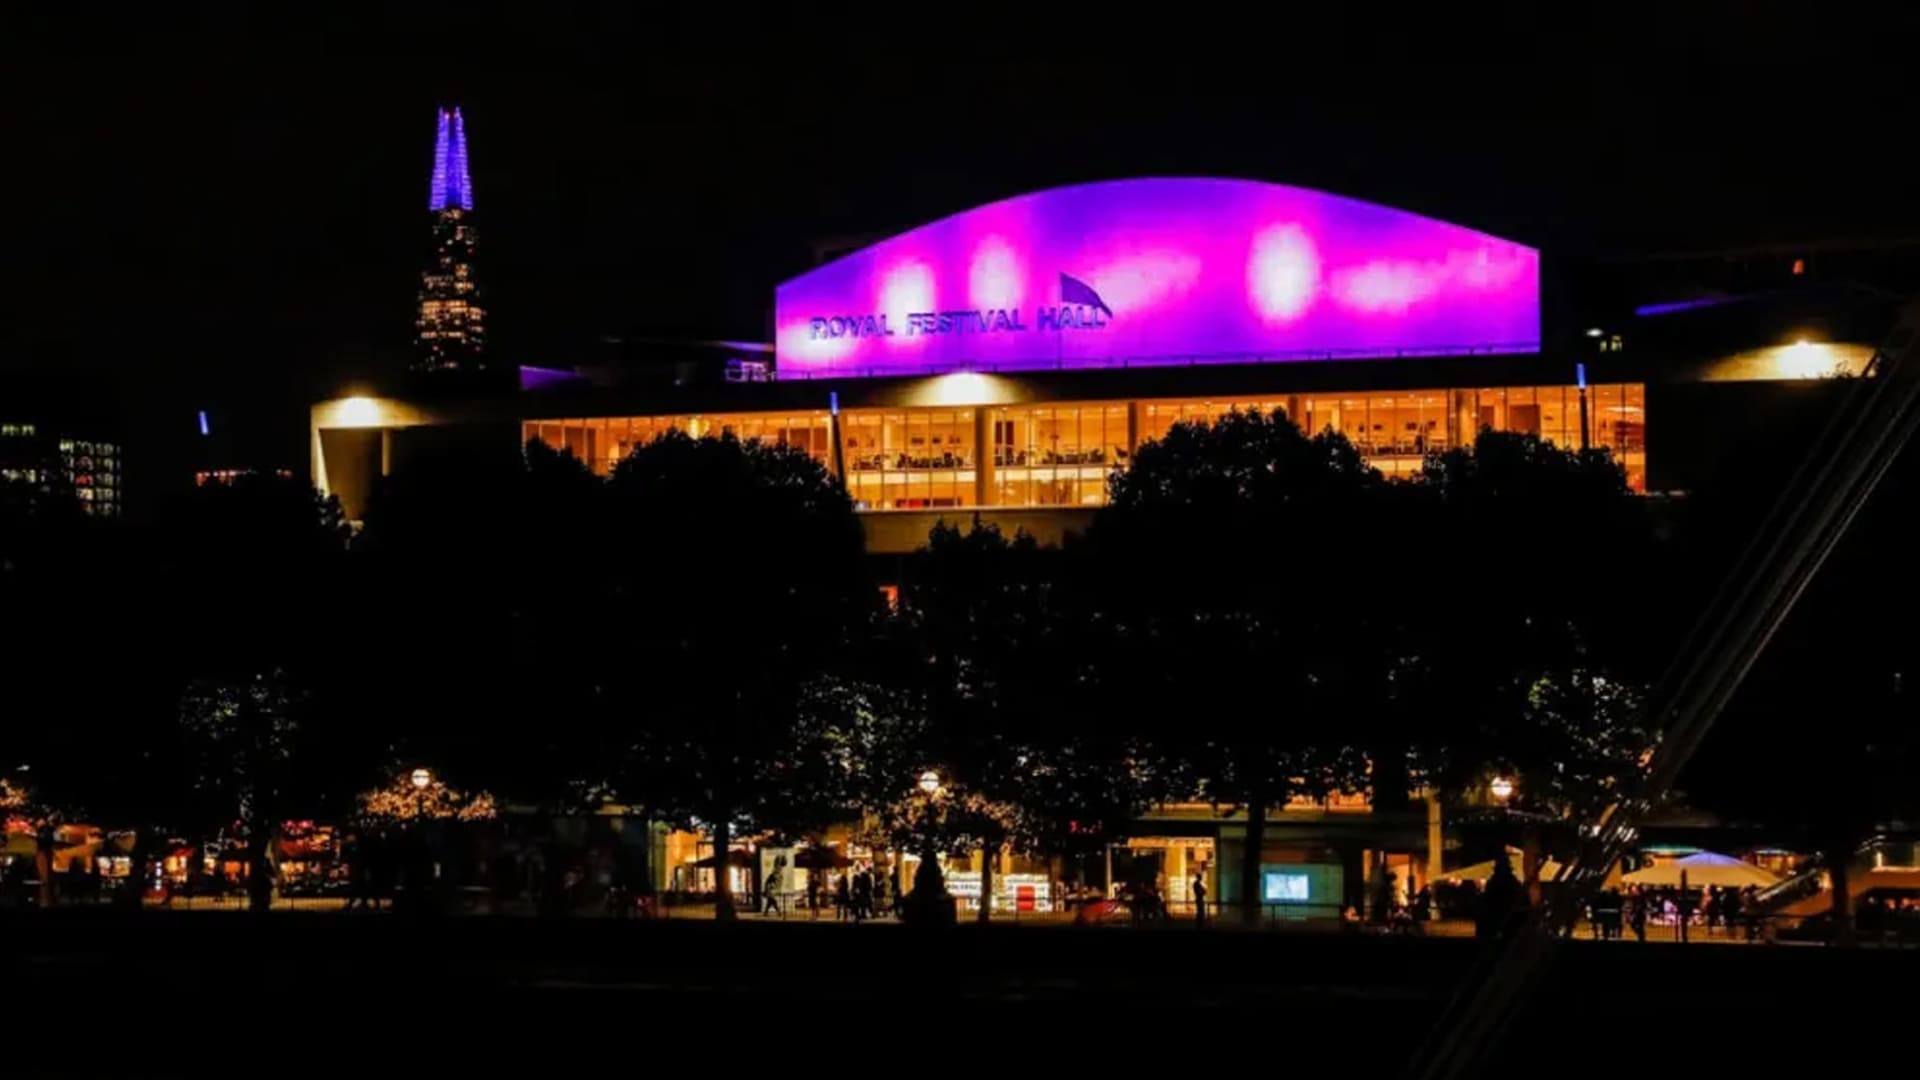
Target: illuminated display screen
column 1279, row 888
column 1158, row 272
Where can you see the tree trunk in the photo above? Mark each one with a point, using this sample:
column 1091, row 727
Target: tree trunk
column 134, row 889
column 1530, row 852
column 43, row 865
column 987, row 854
column 1839, row 875
column 1379, row 889
column 260, row 867
column 255, row 728
column 722, row 868
column 1250, row 858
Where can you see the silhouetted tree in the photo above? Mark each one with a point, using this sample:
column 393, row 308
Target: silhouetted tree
column 1539, row 660
column 1008, row 673
column 57, row 577
column 483, row 585
column 247, row 561
column 738, row 581
column 239, row 738
column 1242, row 543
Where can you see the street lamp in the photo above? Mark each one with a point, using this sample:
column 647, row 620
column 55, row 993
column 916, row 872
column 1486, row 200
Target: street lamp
column 419, row 865
column 1502, row 788
column 421, row 779
column 929, row 898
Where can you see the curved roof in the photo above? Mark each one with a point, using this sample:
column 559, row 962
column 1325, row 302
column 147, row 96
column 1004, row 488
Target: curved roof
column 1159, row 271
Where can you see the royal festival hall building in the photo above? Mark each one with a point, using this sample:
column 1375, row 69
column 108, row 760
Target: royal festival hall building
column 1003, row 361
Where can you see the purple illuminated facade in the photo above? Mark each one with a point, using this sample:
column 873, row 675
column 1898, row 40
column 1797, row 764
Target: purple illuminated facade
column 1158, row 272
column 451, row 186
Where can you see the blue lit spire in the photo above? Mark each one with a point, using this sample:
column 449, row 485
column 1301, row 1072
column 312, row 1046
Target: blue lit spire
column 451, row 185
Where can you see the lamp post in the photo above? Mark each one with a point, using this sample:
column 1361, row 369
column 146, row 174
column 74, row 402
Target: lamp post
column 1501, row 788
column 929, row 785
column 422, row 782
column 929, row 901
column 421, row 779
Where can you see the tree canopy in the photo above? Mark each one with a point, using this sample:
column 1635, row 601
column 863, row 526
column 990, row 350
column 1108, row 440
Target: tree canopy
column 735, row 581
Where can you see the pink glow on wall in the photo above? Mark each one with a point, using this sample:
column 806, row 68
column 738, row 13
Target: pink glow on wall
column 1159, row 271
column 1283, row 273
column 997, row 276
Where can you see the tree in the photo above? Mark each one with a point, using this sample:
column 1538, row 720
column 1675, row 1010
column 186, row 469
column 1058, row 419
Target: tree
column 239, row 737
column 68, row 589
column 1821, row 742
column 418, row 795
column 1557, row 551
column 484, row 576
column 973, row 607
column 1240, row 540
column 1543, row 673
column 1008, row 675
column 739, row 581
column 245, row 562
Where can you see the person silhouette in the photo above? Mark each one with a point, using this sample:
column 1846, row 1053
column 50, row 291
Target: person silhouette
column 775, row 883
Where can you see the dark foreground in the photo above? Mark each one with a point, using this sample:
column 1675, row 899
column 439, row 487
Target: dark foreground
column 339, row 995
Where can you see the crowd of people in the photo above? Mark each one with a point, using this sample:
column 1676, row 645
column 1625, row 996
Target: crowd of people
column 857, row 893
column 1725, row 910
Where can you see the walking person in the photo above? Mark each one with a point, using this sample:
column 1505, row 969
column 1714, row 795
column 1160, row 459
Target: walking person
column 775, row 883
column 862, row 895
column 1199, row 889
column 842, row 898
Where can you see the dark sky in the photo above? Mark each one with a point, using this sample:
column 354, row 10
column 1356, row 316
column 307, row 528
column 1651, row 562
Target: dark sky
column 235, row 205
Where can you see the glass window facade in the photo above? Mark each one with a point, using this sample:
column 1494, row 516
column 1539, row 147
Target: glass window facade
column 1396, row 430
column 1060, row 454
column 911, row 459
column 602, row 441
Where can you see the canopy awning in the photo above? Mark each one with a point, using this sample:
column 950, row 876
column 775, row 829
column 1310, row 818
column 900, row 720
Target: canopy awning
column 1703, row 869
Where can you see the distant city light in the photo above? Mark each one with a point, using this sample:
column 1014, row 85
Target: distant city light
column 422, row 779
column 203, row 422
column 1502, row 788
column 1594, row 331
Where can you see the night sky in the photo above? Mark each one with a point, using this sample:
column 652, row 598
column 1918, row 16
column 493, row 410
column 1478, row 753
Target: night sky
column 242, row 209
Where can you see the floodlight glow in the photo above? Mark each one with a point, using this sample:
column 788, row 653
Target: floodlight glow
column 1156, row 272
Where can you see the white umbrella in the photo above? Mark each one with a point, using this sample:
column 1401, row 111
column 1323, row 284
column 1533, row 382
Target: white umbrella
column 1479, row 872
column 1703, row 869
